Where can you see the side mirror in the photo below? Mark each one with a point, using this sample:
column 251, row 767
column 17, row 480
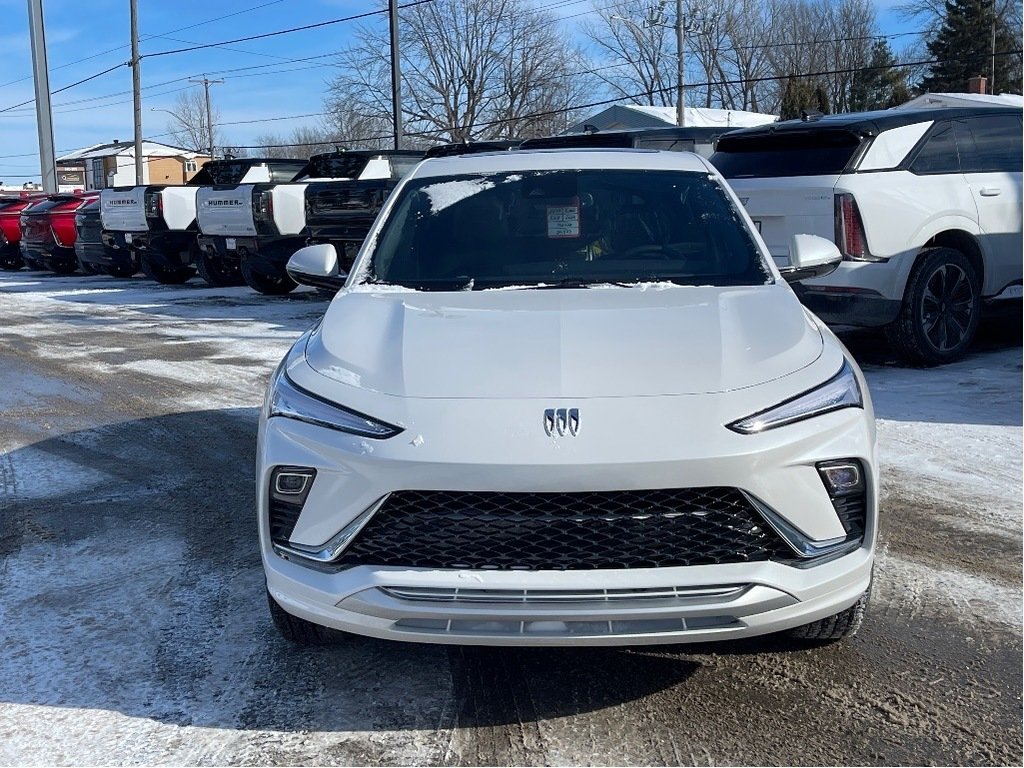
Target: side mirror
column 316, row 265
column 810, row 256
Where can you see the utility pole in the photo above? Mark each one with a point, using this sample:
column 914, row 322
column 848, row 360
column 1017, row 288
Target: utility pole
column 992, row 81
column 136, row 64
column 680, row 67
column 209, row 112
column 44, row 118
column 396, row 73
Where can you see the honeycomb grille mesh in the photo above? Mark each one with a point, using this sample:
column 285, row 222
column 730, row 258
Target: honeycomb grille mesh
column 565, row 531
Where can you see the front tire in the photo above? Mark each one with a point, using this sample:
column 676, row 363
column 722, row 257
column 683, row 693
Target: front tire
column 64, row 267
column 121, row 270
column 268, row 285
column 300, row 631
column 941, row 309
column 166, row 275
column 11, row 262
column 838, row 627
column 87, row 267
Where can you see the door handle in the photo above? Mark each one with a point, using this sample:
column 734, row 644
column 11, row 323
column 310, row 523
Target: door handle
column 990, row 191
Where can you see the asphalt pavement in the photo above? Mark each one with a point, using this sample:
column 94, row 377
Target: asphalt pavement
column 133, row 627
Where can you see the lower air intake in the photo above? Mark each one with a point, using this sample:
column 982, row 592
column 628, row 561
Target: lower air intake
column 565, row 531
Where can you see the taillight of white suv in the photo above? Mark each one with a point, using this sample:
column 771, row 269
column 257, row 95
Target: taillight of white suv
column 850, row 237
column 154, row 203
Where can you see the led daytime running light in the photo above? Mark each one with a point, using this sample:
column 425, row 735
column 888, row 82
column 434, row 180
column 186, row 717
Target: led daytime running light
column 289, row 400
column 841, row 391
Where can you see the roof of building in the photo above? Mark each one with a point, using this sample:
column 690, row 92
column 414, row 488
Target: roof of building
column 965, row 100
column 630, row 116
column 115, row 148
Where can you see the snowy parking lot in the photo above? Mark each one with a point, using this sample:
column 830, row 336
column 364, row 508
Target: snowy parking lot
column 133, row 627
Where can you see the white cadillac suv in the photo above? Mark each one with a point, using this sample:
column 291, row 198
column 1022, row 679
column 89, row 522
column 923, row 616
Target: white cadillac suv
column 923, row 203
column 565, row 398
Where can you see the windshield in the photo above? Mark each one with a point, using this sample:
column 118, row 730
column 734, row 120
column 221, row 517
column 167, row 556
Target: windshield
column 785, row 153
column 565, row 229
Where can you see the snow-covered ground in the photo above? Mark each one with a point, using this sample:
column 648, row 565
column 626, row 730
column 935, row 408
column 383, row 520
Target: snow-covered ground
column 132, row 627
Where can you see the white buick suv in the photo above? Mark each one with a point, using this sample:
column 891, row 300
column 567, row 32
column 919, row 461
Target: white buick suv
column 566, row 398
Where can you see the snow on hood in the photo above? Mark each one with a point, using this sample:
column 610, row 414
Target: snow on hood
column 563, row 343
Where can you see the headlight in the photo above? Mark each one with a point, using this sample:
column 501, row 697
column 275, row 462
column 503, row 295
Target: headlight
column 841, row 391
column 288, row 399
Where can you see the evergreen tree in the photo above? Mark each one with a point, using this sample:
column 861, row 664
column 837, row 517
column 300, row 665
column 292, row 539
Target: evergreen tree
column 879, row 85
column 963, row 48
column 802, row 95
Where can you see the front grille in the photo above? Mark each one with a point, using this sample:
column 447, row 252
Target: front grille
column 565, row 531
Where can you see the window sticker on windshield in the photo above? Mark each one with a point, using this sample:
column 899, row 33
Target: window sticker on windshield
column 563, row 221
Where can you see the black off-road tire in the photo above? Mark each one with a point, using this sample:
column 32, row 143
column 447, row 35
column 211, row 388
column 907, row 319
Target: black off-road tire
column 941, row 309
column 300, row 631
column 166, row 275
column 216, row 271
column 842, row 625
column 268, row 285
column 63, row 267
column 34, row 265
column 11, row 262
column 88, row 268
column 121, row 270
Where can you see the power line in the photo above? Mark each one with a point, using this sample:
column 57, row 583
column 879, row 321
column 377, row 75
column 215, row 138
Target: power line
column 222, row 43
column 279, row 32
column 148, row 37
column 605, row 102
column 72, row 85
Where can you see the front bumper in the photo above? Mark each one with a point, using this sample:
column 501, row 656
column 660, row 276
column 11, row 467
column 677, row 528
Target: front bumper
column 714, row 602
column 577, row 607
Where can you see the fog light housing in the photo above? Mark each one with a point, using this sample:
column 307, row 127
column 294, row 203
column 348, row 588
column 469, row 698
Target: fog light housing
column 291, row 484
column 842, row 478
column 289, row 487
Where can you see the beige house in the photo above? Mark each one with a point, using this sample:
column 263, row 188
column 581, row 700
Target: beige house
column 113, row 165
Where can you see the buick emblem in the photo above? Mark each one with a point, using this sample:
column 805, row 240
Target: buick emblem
column 562, row 422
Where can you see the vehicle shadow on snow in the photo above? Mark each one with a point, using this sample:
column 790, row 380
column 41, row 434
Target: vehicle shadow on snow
column 983, row 388
column 132, row 583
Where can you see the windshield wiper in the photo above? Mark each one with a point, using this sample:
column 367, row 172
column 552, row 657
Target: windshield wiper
column 574, row 282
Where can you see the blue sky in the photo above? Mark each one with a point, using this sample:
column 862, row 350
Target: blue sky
column 99, row 29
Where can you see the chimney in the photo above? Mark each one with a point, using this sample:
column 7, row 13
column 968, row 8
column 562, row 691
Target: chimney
column 977, row 85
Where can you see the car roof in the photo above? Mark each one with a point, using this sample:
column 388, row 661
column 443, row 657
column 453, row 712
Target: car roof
column 871, row 123
column 562, row 159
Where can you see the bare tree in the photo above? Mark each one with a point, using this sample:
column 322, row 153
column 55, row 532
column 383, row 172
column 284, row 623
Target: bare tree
column 746, row 49
column 471, row 69
column 187, row 126
column 638, row 56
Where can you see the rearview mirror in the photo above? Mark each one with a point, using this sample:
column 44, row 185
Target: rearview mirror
column 316, row 265
column 810, row 256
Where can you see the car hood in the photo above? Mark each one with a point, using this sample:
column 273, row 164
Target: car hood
column 597, row 342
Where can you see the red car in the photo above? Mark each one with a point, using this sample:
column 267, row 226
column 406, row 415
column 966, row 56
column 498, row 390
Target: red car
column 11, row 207
column 48, row 232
